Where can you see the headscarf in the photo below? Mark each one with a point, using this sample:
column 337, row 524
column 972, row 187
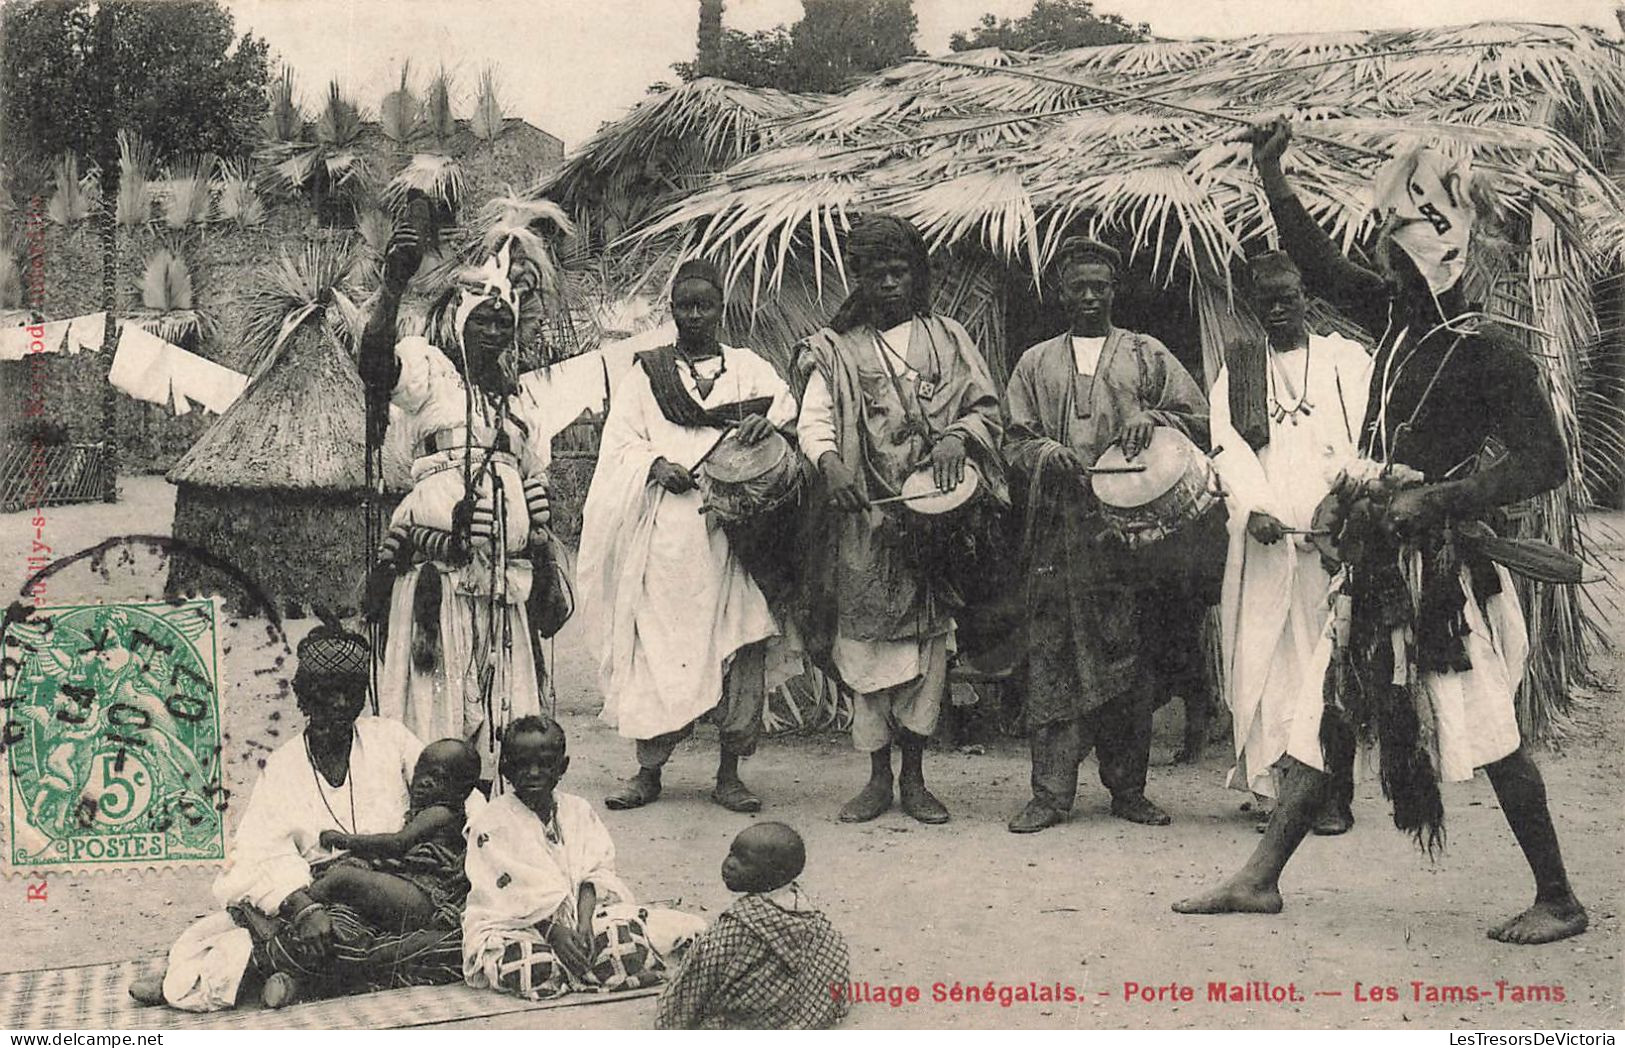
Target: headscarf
column 1423, row 197
column 873, row 238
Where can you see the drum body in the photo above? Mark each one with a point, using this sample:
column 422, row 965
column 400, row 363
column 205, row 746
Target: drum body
column 958, row 536
column 1177, row 488
column 754, row 493
column 1170, row 516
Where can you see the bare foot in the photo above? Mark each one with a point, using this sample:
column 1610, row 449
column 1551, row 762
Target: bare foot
column 1545, row 921
column 1233, row 897
column 149, row 989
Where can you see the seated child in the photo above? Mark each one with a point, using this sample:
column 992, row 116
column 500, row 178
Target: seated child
column 399, row 880
column 771, row 961
column 546, row 912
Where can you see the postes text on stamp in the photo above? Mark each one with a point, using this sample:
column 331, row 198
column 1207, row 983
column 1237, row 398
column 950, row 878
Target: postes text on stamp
column 112, row 737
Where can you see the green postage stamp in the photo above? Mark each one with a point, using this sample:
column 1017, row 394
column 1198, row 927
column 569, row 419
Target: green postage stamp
column 112, row 737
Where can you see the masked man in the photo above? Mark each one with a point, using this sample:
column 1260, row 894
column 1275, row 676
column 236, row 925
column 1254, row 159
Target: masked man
column 1429, row 650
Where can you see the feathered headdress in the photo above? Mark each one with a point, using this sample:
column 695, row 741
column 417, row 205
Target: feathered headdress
column 516, row 262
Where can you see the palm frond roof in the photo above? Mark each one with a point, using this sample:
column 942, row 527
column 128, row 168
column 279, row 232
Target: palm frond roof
column 1010, row 164
column 721, row 119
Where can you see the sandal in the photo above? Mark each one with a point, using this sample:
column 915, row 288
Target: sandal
column 642, row 788
column 736, row 796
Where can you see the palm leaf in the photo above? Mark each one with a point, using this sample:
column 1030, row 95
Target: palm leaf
column 400, row 111
column 486, row 123
column 315, row 286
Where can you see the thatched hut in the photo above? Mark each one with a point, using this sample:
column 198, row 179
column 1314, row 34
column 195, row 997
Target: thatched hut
column 276, row 486
column 1001, row 155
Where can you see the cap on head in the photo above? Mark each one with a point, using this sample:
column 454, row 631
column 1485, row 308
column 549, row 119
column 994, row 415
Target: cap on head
column 698, row 269
column 330, row 650
column 1081, row 250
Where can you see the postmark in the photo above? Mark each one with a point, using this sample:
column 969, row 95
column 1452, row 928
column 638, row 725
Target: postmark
column 112, row 737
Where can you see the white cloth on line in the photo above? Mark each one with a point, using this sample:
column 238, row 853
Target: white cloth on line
column 158, row 372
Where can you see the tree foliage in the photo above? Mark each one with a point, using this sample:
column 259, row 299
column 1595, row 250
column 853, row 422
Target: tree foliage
column 834, row 42
column 1052, row 25
column 183, row 80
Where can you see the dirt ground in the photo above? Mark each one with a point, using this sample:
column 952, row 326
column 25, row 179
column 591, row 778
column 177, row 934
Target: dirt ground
column 1084, row 905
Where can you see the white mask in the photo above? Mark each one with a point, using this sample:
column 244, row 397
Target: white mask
column 1423, row 196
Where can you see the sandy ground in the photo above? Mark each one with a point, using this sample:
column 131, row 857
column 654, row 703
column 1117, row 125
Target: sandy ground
column 1084, row 905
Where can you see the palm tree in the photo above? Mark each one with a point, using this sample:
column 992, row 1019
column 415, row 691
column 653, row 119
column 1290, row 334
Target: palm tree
column 329, row 169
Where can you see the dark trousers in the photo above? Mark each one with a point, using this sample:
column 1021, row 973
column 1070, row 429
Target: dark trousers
column 1120, row 734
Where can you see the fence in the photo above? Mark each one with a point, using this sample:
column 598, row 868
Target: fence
column 53, row 474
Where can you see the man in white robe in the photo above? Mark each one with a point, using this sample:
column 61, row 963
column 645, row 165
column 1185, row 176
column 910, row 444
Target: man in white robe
column 546, row 912
column 456, row 575
column 270, row 930
column 1286, row 420
column 677, row 625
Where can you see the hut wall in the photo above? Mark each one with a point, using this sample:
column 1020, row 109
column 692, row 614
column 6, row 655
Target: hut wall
column 302, row 549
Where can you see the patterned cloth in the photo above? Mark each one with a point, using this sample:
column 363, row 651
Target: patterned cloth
column 769, row 963
column 364, row 958
column 623, row 959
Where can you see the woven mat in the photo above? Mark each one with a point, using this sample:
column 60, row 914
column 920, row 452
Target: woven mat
column 96, row 997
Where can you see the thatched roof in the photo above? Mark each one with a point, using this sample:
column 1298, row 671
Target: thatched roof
column 668, row 144
column 1009, row 164
column 298, row 426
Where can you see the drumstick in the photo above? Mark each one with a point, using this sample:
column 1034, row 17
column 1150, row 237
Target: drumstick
column 1306, row 531
column 1132, row 467
column 907, row 498
column 711, row 449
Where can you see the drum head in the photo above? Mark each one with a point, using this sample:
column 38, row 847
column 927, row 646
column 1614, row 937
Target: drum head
column 1166, row 460
column 920, row 490
column 733, row 462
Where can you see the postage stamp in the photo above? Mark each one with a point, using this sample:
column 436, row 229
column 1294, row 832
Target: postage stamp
column 112, row 737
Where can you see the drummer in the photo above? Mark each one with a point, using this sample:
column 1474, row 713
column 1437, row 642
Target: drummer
column 1090, row 611
column 888, row 387
column 676, row 625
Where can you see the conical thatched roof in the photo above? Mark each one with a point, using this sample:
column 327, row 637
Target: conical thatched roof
column 1010, row 163
column 298, row 426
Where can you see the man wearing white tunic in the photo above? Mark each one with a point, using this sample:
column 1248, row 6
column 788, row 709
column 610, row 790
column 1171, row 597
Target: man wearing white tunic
column 1286, row 420
column 546, row 912
column 678, row 627
column 342, row 772
column 459, row 660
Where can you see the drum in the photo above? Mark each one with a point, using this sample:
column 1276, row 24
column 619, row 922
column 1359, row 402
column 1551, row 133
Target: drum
column 1169, row 514
column 754, row 492
column 959, row 535
column 1177, row 487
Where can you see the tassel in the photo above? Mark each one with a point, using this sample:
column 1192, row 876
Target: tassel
column 426, row 620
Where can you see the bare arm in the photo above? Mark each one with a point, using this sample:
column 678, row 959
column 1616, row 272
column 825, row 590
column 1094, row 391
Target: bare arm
column 1326, row 272
column 423, row 826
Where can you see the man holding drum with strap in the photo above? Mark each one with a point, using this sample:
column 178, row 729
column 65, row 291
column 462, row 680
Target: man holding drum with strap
column 677, row 625
column 888, row 387
column 1090, row 611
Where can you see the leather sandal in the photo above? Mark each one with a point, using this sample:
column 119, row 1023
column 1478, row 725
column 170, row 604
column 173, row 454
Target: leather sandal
column 736, row 796
column 642, row 788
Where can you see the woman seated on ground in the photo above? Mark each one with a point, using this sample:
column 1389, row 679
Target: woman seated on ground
column 546, row 912
column 275, row 940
